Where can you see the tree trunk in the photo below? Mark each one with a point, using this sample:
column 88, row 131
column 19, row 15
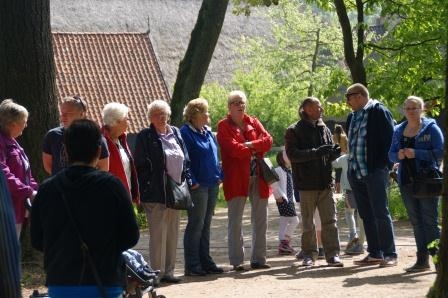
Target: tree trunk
column 440, row 288
column 27, row 70
column 314, row 62
column 27, row 73
column 355, row 62
column 194, row 65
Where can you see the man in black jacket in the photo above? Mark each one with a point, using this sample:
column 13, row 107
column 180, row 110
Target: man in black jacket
column 310, row 148
column 370, row 128
column 82, row 219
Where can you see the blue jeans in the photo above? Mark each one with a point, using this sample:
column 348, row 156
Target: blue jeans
column 371, row 198
column 423, row 216
column 197, row 232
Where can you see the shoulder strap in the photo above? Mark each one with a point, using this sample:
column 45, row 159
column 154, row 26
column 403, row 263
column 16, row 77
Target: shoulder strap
column 84, row 247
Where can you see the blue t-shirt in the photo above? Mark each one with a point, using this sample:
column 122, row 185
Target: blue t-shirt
column 54, row 145
column 83, row 291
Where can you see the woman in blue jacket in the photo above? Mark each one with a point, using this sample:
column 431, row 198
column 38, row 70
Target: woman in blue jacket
column 417, row 143
column 206, row 177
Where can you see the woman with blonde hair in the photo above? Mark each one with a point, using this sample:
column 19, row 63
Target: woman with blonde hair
column 418, row 143
column 206, row 176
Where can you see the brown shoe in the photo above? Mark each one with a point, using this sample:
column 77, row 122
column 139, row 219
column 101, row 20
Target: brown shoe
column 388, row 262
column 368, row 261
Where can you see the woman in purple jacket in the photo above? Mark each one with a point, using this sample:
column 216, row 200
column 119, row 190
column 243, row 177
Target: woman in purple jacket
column 13, row 161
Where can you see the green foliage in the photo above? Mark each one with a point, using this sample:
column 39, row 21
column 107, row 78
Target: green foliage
column 244, row 6
column 141, row 217
column 303, row 58
column 396, row 206
column 433, row 248
column 410, row 58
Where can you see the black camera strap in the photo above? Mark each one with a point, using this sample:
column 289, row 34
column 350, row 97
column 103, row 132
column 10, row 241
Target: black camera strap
column 84, row 248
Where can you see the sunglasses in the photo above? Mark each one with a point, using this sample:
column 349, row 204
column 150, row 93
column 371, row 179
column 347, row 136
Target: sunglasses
column 347, row 95
column 80, row 102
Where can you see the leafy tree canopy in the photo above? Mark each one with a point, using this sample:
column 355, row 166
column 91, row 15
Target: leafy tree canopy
column 303, row 58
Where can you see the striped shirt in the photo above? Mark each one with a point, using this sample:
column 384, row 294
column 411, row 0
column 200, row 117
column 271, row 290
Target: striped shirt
column 357, row 135
column 9, row 246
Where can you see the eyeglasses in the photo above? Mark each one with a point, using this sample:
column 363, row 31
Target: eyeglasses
column 79, row 101
column 238, row 103
column 411, row 109
column 347, row 95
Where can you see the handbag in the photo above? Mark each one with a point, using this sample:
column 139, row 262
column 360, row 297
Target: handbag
column 427, row 182
column 177, row 196
column 267, row 170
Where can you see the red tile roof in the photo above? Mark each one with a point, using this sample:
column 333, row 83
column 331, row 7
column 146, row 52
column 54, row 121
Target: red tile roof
column 107, row 67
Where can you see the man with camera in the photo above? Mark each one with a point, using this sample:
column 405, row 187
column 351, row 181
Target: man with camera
column 309, row 146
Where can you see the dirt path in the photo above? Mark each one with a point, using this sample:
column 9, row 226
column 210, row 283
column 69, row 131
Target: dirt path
column 287, row 278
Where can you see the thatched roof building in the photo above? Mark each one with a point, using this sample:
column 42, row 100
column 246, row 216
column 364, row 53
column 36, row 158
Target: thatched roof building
column 170, row 23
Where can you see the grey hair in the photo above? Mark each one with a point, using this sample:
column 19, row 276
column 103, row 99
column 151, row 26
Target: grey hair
column 158, row 105
column 114, row 112
column 236, row 94
column 11, row 112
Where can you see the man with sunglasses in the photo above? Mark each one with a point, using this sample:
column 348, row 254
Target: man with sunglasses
column 54, row 157
column 370, row 128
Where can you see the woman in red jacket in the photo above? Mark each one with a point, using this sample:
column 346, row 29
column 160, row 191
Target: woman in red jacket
column 243, row 139
column 121, row 162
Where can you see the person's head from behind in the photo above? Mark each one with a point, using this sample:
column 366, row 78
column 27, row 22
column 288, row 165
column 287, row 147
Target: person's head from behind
column 13, row 118
column 338, row 130
column 357, row 96
column 72, row 108
column 310, row 109
column 82, row 140
column 282, row 159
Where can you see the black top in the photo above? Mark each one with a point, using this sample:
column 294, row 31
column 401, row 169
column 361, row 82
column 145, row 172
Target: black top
column 408, row 163
column 102, row 211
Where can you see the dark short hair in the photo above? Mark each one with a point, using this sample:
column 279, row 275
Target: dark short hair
column 307, row 101
column 82, row 139
column 279, row 158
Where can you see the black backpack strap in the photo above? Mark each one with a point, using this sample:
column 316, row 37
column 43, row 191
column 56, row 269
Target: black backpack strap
column 84, row 248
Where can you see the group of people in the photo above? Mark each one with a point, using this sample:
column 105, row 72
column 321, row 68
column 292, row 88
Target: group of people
column 82, row 216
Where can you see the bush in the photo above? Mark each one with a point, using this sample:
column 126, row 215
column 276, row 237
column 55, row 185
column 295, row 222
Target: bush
column 396, row 206
column 141, row 217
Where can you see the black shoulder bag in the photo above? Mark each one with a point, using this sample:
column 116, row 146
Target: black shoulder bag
column 427, row 182
column 84, row 248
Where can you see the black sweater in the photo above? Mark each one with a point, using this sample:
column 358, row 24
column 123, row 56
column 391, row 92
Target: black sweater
column 310, row 171
column 103, row 214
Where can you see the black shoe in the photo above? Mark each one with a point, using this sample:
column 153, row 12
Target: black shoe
column 170, row 279
column 321, row 254
column 239, row 268
column 335, row 262
column 195, row 272
column 307, row 261
column 259, row 266
column 214, row 270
